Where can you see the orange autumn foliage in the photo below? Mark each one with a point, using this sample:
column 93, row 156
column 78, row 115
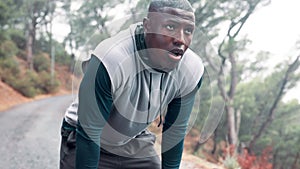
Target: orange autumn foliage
column 247, row 160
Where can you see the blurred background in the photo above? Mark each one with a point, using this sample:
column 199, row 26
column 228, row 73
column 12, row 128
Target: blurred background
column 251, row 50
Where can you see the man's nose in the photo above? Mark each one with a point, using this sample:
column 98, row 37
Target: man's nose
column 179, row 38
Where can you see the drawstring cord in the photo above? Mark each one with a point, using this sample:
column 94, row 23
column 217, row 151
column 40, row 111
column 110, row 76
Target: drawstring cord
column 160, row 103
column 160, row 100
column 150, row 87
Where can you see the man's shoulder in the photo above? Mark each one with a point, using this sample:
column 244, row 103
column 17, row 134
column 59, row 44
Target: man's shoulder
column 121, row 43
column 116, row 54
column 189, row 72
column 192, row 63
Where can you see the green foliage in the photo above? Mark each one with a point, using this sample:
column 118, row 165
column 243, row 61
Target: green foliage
column 26, row 85
column 3, row 36
column 234, row 46
column 12, row 42
column 16, row 19
column 42, row 44
column 38, row 9
column 46, row 84
column 22, row 55
column 41, row 62
column 89, row 19
column 284, row 133
column 255, row 99
column 17, row 36
column 61, row 56
column 9, row 70
column 207, row 17
column 6, row 11
column 245, row 138
column 231, row 162
column 9, row 67
column 31, row 83
column 8, row 49
column 136, row 14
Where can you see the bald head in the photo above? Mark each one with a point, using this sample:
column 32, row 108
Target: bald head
column 157, row 5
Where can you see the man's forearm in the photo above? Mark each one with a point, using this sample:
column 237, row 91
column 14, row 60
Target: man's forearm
column 171, row 158
column 87, row 151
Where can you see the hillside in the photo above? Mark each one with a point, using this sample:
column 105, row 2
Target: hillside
column 10, row 97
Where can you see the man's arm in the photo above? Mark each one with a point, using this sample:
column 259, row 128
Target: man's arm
column 174, row 129
column 93, row 116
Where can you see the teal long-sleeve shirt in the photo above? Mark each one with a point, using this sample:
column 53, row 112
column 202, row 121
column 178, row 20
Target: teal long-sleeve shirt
column 174, row 127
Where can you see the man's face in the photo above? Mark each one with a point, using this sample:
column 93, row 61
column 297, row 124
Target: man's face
column 168, row 35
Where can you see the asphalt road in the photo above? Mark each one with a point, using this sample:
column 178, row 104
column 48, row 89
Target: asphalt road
column 30, row 135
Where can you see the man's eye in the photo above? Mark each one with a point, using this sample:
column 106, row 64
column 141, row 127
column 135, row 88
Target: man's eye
column 188, row 31
column 170, row 27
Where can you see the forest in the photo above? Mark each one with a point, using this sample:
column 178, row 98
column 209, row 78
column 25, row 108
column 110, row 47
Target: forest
column 242, row 121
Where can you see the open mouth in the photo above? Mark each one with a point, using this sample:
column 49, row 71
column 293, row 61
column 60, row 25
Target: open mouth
column 176, row 54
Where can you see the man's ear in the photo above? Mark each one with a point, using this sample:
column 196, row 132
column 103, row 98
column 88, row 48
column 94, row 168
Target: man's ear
column 146, row 23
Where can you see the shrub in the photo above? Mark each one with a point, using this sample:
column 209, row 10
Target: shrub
column 231, row 162
column 230, row 159
column 33, row 83
column 249, row 161
column 46, row 83
column 10, row 64
column 62, row 57
column 25, row 88
column 22, row 55
column 10, row 74
column 8, row 49
column 9, row 67
column 26, row 85
column 18, row 38
column 41, row 62
column 29, row 84
column 245, row 160
column 3, row 35
column 42, row 44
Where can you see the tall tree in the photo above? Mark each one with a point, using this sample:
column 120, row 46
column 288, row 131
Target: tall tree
column 255, row 98
column 88, row 24
column 35, row 12
column 209, row 15
column 284, row 132
column 286, row 81
column 6, row 8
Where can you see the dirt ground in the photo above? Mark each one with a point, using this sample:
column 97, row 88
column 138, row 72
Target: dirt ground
column 9, row 97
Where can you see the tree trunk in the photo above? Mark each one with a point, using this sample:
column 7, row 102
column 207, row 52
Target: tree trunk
column 294, row 166
column 213, row 151
column 231, row 125
column 238, row 122
column 31, row 28
column 274, row 164
column 29, row 50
